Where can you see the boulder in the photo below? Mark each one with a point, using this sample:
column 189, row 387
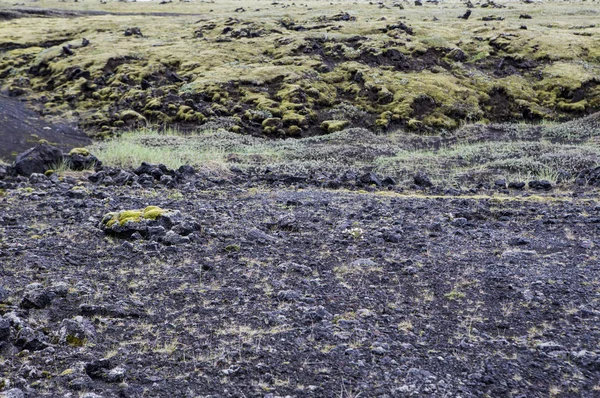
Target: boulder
column 421, row 179
column 540, row 185
column 81, row 159
column 370, row 178
column 38, row 159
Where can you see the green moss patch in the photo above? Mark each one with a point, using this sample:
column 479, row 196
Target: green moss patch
column 261, row 68
column 127, row 216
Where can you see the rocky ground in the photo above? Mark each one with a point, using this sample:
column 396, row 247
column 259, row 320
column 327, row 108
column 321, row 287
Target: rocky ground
column 402, row 246
column 273, row 286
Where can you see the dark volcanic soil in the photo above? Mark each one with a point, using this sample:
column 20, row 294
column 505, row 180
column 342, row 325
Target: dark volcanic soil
column 298, row 293
column 20, row 127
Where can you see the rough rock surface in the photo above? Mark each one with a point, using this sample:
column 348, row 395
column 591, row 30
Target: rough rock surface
column 38, row 159
column 295, row 292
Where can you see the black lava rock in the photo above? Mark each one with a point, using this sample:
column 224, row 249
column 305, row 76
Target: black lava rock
column 3, row 294
column 370, row 178
column 77, row 161
column 4, row 329
column 540, row 185
column 38, row 159
column 36, row 297
column 466, row 15
column 421, row 179
column 135, row 31
column 591, row 176
column 388, row 181
column 516, row 185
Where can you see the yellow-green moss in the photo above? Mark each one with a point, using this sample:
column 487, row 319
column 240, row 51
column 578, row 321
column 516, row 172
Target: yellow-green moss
column 74, row 341
column 67, row 372
column 125, row 216
column 131, row 115
column 332, row 126
column 572, row 106
column 152, row 212
column 271, row 122
column 79, row 151
column 291, row 118
column 130, row 216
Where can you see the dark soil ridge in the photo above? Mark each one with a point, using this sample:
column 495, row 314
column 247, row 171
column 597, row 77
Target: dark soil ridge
column 298, row 292
column 26, row 12
column 21, row 128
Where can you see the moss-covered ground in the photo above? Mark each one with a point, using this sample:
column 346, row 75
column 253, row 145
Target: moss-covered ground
column 290, row 69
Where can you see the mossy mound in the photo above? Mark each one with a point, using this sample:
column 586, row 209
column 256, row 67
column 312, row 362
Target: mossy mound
column 280, row 78
column 151, row 223
column 132, row 216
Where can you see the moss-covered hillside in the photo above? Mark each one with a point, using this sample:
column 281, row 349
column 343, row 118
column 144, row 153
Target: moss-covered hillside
column 303, row 68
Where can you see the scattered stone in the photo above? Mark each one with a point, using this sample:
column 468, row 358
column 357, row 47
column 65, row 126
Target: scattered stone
column 525, row 16
column 293, row 267
column 81, row 159
column 29, row 339
column 549, row 346
column 500, row 183
column 540, row 185
column 364, row 262
column 14, row 393
column 134, row 31
column 3, row 294
column 257, row 235
column 587, row 359
column 76, row 332
column 528, row 295
column 516, row 185
column 151, row 222
column 91, row 395
column 466, row 15
column 370, row 178
column 288, row 295
column 343, row 16
column 4, row 329
column 399, row 26
column 492, row 18
column 36, row 297
column 589, row 176
column 460, row 222
column 378, row 350
column 172, row 238
column 388, row 181
column 421, row 179
column 519, row 241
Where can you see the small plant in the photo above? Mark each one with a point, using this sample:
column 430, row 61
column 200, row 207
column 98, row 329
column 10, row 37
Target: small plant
column 232, row 248
column 455, row 295
column 355, row 233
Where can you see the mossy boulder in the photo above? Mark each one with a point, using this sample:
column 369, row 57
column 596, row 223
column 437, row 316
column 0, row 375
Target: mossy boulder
column 79, row 151
column 151, row 223
column 332, row 126
column 81, row 159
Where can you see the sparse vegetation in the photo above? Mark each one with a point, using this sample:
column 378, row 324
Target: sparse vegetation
column 347, row 199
